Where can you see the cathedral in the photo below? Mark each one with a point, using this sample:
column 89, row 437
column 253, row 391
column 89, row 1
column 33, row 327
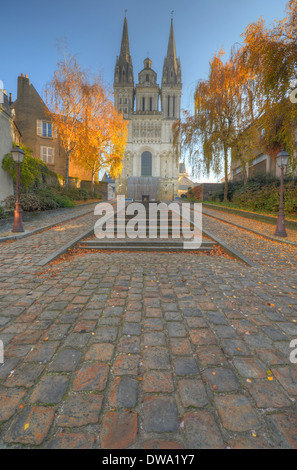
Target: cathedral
column 151, row 163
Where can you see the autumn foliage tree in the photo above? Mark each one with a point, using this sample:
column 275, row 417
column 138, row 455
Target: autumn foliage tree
column 65, row 104
column 222, row 110
column 102, row 132
column 90, row 130
column 244, row 103
column 270, row 53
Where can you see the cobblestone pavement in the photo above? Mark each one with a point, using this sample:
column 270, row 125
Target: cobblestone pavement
column 43, row 219
column 158, row 350
column 267, row 253
column 261, row 227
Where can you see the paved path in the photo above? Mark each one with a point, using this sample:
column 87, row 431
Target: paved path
column 132, row 350
column 43, row 219
column 267, row 229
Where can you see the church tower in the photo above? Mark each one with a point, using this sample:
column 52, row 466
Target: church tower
column 171, row 81
column 151, row 162
column 123, row 77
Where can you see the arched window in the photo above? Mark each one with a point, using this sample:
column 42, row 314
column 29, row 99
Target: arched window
column 151, row 104
column 146, row 164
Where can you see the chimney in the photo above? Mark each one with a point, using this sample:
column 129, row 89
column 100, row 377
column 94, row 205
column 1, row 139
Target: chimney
column 23, row 84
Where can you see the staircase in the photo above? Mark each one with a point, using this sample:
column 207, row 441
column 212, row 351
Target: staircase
column 162, row 240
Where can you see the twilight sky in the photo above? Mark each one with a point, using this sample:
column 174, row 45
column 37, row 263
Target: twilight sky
column 30, row 31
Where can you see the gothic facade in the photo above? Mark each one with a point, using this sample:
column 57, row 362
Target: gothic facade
column 151, row 162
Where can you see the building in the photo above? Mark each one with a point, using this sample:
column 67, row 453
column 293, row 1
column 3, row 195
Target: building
column 184, row 182
column 9, row 133
column 110, row 187
column 257, row 164
column 151, row 162
column 38, row 133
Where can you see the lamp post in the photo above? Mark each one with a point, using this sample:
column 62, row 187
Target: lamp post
column 282, row 161
column 18, row 157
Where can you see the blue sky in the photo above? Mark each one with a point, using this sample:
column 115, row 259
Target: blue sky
column 92, row 29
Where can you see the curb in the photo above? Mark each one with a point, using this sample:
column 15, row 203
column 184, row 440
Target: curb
column 250, row 215
column 268, row 237
column 68, row 246
column 41, row 229
column 65, row 248
column 231, row 251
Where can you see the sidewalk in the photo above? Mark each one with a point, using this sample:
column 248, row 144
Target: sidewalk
column 45, row 219
column 159, row 351
column 263, row 228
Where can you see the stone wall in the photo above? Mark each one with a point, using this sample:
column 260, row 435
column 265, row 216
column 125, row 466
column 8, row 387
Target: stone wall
column 6, row 131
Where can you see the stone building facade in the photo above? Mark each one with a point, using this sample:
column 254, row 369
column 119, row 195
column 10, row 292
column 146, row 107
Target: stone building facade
column 151, row 162
column 38, row 133
column 9, row 133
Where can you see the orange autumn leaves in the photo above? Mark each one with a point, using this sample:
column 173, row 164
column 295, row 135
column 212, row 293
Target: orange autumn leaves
column 243, row 106
column 90, row 129
column 102, row 133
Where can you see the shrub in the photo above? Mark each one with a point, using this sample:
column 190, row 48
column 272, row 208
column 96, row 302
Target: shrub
column 33, row 171
column 63, row 201
column 30, row 202
column 2, row 213
column 266, row 197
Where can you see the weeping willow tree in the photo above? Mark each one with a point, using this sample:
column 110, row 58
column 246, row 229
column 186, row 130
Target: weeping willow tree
column 270, row 53
column 223, row 108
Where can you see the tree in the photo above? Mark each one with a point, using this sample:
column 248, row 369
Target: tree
column 65, row 104
column 223, row 108
column 102, row 132
column 271, row 55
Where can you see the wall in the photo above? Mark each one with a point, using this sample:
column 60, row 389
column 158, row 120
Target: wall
column 6, row 133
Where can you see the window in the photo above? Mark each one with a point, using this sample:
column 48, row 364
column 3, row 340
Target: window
column 151, row 104
column 146, row 164
column 173, row 105
column 168, row 110
column 47, row 154
column 143, row 104
column 47, row 129
column 44, row 129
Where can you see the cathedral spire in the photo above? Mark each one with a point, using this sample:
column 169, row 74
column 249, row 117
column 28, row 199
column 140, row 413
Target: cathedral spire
column 171, row 68
column 124, row 69
column 171, row 51
column 125, row 50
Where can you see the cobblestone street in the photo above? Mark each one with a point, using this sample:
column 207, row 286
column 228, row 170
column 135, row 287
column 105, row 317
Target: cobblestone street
column 148, row 350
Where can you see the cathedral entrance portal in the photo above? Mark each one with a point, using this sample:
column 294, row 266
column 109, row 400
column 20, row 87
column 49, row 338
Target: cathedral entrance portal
column 143, row 188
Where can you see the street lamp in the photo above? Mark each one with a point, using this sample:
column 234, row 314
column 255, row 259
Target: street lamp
column 18, row 157
column 282, row 161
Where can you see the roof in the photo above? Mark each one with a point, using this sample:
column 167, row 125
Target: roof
column 107, row 178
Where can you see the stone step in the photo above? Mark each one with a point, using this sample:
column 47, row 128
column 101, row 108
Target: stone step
column 144, row 247
column 137, row 241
